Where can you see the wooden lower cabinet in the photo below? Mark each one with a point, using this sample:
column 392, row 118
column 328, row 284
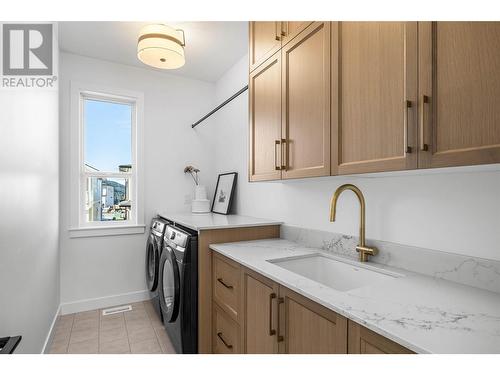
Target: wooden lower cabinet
column 260, row 306
column 273, row 319
column 205, row 273
column 227, row 336
column 309, row 328
column 226, row 286
column 361, row 340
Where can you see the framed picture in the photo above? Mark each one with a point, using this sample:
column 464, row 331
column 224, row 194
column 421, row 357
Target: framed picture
column 224, row 191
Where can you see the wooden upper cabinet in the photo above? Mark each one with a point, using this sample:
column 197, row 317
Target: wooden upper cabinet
column 260, row 304
column 290, row 29
column 374, row 93
column 306, row 103
column 309, row 328
column 459, row 91
column 265, row 40
column 361, row 340
column 265, row 121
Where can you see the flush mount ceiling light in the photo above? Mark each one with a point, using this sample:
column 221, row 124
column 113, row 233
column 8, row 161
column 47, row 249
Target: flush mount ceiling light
column 161, row 46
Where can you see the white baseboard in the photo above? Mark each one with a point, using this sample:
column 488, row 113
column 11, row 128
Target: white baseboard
column 50, row 335
column 101, row 302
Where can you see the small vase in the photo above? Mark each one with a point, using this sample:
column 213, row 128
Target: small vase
column 200, row 203
column 200, row 192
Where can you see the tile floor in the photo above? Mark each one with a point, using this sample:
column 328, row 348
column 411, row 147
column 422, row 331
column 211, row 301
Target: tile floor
column 139, row 331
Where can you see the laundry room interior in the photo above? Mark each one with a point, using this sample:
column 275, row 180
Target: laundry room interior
column 250, row 186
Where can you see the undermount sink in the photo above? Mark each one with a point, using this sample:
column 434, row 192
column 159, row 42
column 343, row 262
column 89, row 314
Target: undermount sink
column 339, row 275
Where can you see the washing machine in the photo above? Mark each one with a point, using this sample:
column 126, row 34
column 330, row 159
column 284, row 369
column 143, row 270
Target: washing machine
column 154, row 247
column 178, row 288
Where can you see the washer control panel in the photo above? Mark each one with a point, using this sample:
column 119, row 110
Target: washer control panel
column 175, row 237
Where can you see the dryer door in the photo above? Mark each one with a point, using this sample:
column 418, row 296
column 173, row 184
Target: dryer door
column 152, row 263
column 169, row 285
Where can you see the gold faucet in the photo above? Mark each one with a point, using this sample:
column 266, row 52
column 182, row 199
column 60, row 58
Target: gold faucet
column 362, row 249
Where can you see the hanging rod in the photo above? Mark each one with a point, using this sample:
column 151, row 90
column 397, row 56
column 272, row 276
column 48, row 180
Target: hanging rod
column 219, row 106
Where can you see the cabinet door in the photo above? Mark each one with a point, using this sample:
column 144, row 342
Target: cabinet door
column 306, row 103
column 265, row 121
column 459, row 90
column 265, row 40
column 361, row 340
column 309, row 328
column 374, row 91
column 290, row 29
column 260, row 314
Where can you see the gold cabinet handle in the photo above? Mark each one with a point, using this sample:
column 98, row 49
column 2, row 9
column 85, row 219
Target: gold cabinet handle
column 423, row 145
column 219, row 335
column 272, row 331
column 284, row 154
column 283, row 30
column 281, row 300
column 276, row 144
column 220, row 280
column 407, row 148
column 277, row 35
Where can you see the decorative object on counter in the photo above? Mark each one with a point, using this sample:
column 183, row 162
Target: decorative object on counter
column 9, row 344
column 224, row 192
column 362, row 249
column 193, row 172
column 200, row 203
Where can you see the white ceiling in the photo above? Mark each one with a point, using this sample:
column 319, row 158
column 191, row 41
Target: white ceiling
column 211, row 47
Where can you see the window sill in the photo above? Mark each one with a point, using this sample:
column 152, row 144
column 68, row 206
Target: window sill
column 106, row 231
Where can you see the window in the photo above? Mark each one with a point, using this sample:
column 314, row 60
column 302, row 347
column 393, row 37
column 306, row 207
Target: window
column 107, row 170
column 107, row 162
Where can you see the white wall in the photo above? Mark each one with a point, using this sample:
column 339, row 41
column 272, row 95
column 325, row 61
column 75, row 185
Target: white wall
column 458, row 212
column 104, row 266
column 29, row 215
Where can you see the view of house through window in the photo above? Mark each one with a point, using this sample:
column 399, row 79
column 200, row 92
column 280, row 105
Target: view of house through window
column 108, row 159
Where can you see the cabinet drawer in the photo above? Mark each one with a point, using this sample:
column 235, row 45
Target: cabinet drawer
column 226, row 335
column 361, row 340
column 227, row 286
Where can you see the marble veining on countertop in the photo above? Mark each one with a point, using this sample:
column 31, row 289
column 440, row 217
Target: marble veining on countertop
column 216, row 221
column 423, row 313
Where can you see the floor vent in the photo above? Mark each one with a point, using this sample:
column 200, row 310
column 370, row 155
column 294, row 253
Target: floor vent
column 116, row 310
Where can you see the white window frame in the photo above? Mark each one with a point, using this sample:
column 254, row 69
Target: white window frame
column 79, row 225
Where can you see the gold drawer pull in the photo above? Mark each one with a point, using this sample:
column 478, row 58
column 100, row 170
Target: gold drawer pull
column 220, row 280
column 219, row 335
column 407, row 148
column 423, row 145
column 284, row 154
column 281, row 300
column 276, row 144
column 272, row 331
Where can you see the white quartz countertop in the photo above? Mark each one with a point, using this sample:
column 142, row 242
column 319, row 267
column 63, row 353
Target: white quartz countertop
column 424, row 314
column 216, row 221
